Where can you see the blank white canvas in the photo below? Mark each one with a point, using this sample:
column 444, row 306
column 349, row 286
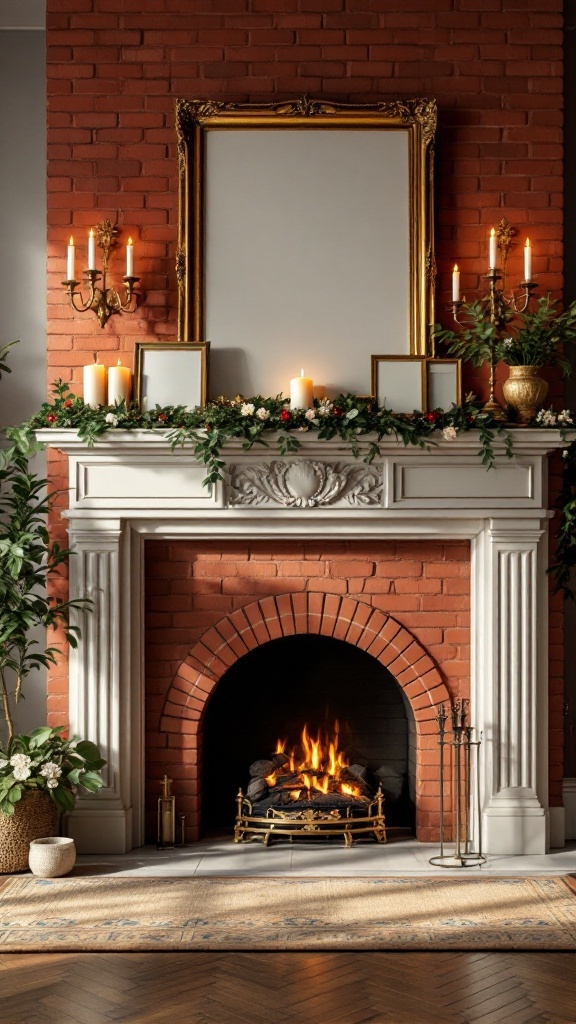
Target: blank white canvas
column 170, row 377
column 400, row 385
column 442, row 385
column 307, row 256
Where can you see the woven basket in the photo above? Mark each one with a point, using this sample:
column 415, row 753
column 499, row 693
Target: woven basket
column 35, row 817
column 52, row 857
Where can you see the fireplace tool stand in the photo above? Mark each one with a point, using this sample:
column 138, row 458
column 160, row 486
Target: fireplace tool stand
column 464, row 816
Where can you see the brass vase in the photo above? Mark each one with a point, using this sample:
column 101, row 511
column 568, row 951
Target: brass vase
column 525, row 391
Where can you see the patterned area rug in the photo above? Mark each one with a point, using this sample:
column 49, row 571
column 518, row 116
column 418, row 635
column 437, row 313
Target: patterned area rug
column 232, row 913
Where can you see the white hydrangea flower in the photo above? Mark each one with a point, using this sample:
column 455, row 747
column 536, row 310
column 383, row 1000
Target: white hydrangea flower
column 20, row 761
column 111, row 418
column 52, row 783
column 565, row 453
column 51, row 770
column 21, row 773
column 565, row 416
column 247, row 409
column 310, row 414
column 262, row 413
column 450, row 433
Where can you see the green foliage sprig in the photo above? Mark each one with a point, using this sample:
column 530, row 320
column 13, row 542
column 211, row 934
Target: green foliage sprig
column 478, row 337
column 44, row 760
column 534, row 338
column 539, row 336
column 253, row 421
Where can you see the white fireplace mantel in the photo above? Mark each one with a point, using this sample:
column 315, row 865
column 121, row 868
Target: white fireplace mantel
column 132, row 486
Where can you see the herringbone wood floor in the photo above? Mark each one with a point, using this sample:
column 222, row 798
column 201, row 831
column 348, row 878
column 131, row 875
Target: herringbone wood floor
column 288, row 988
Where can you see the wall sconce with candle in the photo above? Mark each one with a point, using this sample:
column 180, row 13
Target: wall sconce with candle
column 497, row 306
column 103, row 301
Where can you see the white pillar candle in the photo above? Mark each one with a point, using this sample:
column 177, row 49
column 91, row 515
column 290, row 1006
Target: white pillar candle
column 492, row 259
column 91, row 251
column 130, row 259
column 527, row 261
column 455, row 284
column 70, row 261
column 94, row 378
column 301, row 392
column 119, row 384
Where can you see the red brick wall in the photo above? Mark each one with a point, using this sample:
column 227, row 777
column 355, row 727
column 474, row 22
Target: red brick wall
column 115, row 68
column 191, row 588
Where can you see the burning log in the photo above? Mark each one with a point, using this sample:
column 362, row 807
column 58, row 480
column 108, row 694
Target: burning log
column 260, row 769
column 267, row 765
column 257, row 789
column 354, row 775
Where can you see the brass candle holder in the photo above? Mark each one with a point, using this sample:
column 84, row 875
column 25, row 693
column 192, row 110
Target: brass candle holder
column 499, row 308
column 103, row 300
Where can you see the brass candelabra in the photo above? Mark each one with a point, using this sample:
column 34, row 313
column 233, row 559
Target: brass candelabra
column 102, row 300
column 498, row 305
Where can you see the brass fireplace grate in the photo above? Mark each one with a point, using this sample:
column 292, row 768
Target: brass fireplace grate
column 309, row 822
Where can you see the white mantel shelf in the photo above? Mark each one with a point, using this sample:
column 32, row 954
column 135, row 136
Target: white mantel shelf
column 131, row 485
column 129, row 472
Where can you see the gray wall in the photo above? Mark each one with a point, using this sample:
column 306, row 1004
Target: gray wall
column 23, row 239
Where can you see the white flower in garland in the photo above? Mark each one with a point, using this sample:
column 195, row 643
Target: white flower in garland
column 325, row 409
column 112, row 419
column 51, row 770
column 565, row 417
column 52, row 783
column 4, row 763
column 565, row 454
column 262, row 413
column 247, row 409
column 310, row 414
column 450, row 433
column 21, row 765
column 546, row 418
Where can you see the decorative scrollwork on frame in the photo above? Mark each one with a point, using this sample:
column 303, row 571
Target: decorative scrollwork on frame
column 304, row 484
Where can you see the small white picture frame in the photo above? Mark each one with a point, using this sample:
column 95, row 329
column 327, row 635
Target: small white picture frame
column 171, row 373
column 444, row 383
column 399, row 383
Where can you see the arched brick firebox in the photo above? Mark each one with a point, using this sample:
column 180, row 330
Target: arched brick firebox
column 331, row 615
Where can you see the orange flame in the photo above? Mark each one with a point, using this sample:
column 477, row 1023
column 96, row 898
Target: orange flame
column 318, row 753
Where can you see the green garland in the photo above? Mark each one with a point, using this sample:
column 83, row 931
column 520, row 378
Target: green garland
column 348, row 417
column 249, row 420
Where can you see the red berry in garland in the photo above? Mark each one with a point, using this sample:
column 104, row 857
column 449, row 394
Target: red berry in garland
column 432, row 417
column 51, row 417
column 162, row 416
column 338, row 411
column 285, row 416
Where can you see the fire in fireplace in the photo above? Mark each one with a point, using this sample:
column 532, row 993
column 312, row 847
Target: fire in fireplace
column 311, row 789
column 319, row 680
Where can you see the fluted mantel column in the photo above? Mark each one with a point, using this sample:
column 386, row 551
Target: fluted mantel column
column 99, row 700
column 510, row 683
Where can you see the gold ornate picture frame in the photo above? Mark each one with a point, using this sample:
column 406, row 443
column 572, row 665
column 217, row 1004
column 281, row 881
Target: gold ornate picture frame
column 205, row 128
column 171, row 373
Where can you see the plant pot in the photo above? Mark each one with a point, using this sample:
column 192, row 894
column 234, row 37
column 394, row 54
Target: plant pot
column 525, row 391
column 35, row 817
column 52, row 857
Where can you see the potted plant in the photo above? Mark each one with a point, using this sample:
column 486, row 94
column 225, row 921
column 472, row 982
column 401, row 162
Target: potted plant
column 39, row 773
column 538, row 340
column 523, row 341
